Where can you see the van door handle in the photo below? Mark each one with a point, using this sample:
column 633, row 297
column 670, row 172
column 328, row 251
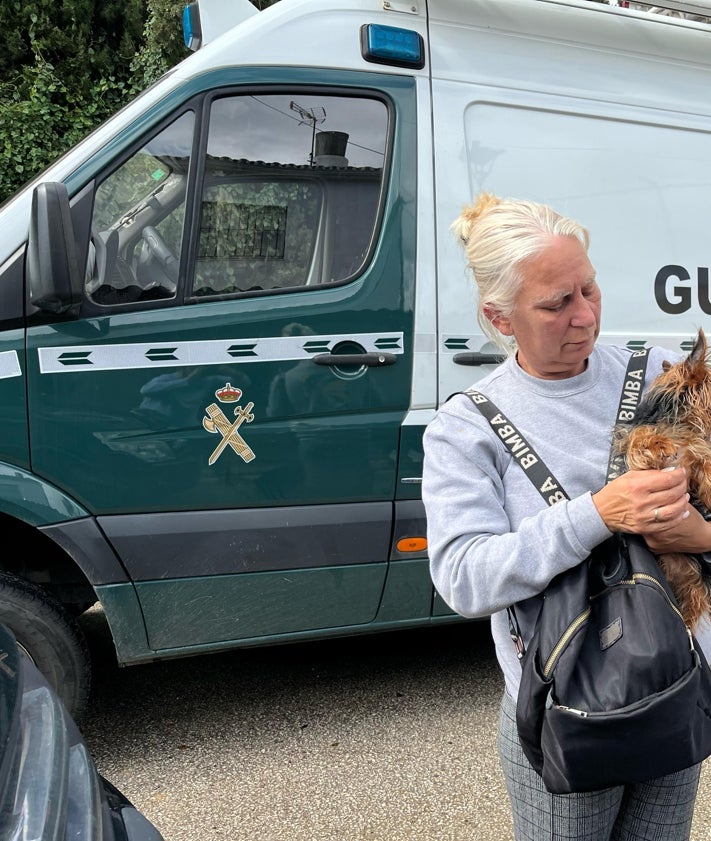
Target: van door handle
column 476, row 358
column 370, row 360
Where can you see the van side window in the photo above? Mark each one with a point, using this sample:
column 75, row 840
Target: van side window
column 137, row 222
column 291, row 190
column 287, row 198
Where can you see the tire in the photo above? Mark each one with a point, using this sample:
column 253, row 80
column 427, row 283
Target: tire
column 51, row 638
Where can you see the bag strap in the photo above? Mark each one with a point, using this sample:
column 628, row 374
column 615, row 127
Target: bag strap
column 536, row 469
column 533, row 465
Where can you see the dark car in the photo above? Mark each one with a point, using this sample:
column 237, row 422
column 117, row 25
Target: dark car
column 50, row 789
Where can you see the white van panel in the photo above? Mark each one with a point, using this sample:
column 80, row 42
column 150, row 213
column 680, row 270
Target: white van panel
column 646, row 209
column 621, row 141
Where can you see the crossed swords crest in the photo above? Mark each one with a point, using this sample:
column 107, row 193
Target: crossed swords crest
column 216, row 421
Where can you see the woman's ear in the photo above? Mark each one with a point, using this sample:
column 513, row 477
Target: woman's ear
column 489, row 312
column 502, row 324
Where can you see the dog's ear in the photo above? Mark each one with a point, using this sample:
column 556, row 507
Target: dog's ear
column 666, row 365
column 698, row 352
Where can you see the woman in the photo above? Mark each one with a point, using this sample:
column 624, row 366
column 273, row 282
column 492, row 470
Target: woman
column 493, row 541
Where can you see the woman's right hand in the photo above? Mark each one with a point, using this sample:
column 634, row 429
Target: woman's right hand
column 644, row 501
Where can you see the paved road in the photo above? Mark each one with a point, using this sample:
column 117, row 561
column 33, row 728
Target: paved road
column 387, row 738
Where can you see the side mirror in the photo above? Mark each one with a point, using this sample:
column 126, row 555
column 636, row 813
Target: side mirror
column 53, row 276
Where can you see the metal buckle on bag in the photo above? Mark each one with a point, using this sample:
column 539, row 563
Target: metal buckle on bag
column 519, row 647
column 515, row 633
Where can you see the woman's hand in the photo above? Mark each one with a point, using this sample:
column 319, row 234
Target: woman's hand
column 692, row 534
column 647, row 502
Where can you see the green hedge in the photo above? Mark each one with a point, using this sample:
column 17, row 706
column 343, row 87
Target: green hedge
column 68, row 65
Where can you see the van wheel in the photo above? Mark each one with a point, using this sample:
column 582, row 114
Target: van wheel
column 50, row 637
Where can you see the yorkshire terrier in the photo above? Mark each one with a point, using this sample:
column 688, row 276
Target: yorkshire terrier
column 672, row 426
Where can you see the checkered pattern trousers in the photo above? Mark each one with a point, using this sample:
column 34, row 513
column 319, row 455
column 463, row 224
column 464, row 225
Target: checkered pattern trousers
column 658, row 810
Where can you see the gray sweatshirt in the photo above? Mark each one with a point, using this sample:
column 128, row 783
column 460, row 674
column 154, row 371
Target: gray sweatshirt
column 492, row 539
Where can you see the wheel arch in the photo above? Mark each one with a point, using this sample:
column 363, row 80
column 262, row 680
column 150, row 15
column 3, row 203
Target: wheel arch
column 61, row 554
column 31, row 500
column 61, row 546
column 44, row 562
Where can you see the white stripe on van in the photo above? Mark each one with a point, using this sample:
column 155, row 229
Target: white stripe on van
column 9, row 365
column 80, row 358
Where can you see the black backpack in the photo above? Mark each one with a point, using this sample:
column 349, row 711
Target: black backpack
column 614, row 688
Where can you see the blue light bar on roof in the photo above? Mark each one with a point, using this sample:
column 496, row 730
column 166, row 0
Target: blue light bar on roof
column 192, row 31
column 392, row 45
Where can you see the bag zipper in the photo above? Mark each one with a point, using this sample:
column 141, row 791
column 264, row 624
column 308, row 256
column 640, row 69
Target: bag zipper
column 563, row 641
column 659, row 586
column 597, row 713
column 578, row 621
column 572, row 710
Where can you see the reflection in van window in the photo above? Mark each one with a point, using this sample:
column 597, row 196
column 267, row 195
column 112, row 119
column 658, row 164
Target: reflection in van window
column 137, row 222
column 291, row 190
column 243, row 235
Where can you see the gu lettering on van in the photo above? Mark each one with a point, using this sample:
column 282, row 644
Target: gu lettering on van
column 216, row 421
column 675, row 298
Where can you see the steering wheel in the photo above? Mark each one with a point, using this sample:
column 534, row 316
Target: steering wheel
column 159, row 251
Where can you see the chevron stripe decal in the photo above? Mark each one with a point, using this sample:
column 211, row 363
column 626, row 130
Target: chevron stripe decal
column 9, row 365
column 78, row 359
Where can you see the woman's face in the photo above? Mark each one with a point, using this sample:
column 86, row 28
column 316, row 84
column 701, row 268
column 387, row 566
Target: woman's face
column 556, row 316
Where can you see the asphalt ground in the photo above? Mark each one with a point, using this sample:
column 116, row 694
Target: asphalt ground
column 376, row 738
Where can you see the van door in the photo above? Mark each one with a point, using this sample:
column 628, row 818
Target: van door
column 229, row 402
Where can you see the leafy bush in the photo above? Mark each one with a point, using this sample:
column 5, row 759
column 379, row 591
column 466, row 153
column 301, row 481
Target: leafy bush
column 66, row 67
column 41, row 117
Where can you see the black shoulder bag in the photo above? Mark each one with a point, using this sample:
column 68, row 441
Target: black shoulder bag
column 614, row 687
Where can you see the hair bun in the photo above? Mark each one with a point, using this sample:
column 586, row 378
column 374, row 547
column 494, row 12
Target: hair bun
column 482, row 203
column 471, row 213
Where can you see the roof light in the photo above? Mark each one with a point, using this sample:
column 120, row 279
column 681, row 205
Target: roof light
column 205, row 20
column 392, row 45
column 192, row 31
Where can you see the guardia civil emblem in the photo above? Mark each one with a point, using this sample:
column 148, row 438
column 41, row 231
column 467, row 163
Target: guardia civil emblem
column 217, row 422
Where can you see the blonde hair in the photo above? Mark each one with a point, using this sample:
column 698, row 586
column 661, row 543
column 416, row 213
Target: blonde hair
column 498, row 235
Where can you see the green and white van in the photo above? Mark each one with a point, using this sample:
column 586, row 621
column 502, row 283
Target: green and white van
column 228, row 314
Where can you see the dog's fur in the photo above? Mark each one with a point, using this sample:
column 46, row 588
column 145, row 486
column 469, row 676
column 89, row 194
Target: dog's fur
column 672, row 426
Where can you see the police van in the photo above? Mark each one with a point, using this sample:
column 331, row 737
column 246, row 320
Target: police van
column 228, row 314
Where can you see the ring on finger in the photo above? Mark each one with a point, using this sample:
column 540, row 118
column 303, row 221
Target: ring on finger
column 656, row 515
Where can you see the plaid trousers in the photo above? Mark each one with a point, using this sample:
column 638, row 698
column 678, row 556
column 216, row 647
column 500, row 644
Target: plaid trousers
column 657, row 810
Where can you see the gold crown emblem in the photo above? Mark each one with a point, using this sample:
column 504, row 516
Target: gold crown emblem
column 228, row 394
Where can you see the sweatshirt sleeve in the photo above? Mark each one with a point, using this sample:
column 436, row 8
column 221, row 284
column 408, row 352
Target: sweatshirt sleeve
column 479, row 562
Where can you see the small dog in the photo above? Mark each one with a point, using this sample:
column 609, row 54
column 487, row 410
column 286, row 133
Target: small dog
column 672, row 425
